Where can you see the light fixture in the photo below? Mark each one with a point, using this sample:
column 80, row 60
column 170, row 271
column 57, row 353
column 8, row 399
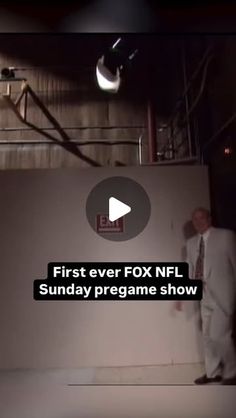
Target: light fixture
column 107, row 80
column 110, row 67
column 228, row 151
column 7, row 73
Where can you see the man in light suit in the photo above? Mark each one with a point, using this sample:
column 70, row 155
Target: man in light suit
column 211, row 255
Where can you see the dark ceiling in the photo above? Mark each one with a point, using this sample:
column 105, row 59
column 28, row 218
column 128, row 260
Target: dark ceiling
column 149, row 15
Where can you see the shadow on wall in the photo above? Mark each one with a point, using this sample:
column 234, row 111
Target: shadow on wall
column 188, row 232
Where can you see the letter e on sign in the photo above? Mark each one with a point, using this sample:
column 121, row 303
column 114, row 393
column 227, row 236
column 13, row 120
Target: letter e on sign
column 104, row 225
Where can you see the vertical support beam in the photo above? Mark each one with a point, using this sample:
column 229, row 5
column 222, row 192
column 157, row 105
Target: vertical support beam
column 151, row 128
column 186, row 100
column 8, row 89
column 23, row 106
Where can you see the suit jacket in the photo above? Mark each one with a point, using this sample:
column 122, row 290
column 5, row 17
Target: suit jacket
column 220, row 266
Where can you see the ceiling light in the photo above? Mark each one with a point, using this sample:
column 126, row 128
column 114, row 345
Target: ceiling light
column 111, row 65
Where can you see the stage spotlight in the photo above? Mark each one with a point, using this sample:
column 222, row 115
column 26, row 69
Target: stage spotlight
column 7, row 73
column 110, row 67
column 107, row 80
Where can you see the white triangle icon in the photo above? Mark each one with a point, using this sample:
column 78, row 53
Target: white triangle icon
column 117, row 209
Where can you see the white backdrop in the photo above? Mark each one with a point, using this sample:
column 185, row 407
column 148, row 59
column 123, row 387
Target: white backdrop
column 43, row 219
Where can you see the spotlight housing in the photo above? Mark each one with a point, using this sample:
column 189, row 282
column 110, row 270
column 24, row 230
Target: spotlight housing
column 110, row 67
column 7, row 73
column 107, row 80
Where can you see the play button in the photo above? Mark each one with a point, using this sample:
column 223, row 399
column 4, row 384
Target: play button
column 118, row 208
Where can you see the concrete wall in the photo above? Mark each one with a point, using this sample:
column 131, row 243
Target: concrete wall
column 42, row 216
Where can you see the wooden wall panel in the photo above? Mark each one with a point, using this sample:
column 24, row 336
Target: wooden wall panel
column 75, row 103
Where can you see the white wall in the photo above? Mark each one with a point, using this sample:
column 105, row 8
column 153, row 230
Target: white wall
column 43, row 219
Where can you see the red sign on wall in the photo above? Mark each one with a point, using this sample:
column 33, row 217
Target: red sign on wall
column 104, row 225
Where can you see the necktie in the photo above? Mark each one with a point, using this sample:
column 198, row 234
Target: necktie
column 200, row 261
